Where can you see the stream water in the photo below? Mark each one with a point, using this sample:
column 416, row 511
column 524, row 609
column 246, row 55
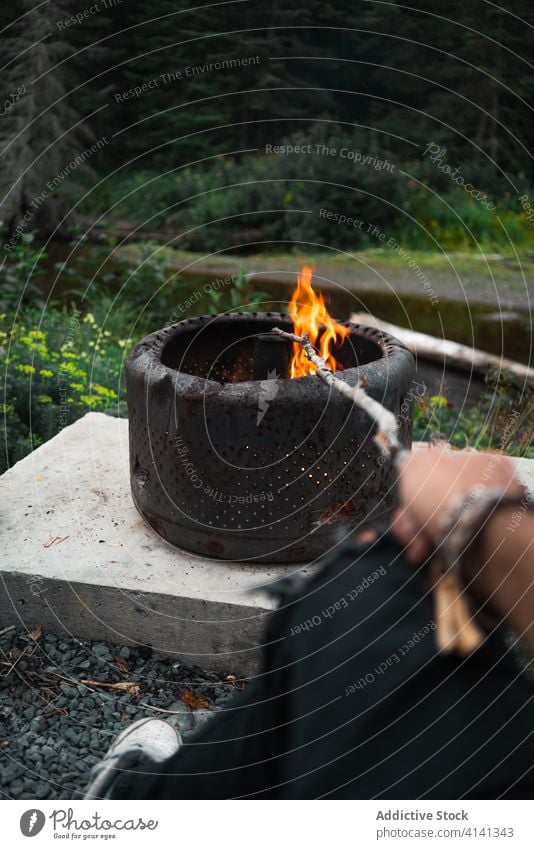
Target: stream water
column 503, row 333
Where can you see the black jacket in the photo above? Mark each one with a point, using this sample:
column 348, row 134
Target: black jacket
column 355, row 702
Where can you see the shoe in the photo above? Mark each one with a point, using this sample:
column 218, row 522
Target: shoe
column 147, row 741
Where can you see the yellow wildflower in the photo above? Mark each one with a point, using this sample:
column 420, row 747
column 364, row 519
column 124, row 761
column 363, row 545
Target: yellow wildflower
column 89, row 400
column 102, row 390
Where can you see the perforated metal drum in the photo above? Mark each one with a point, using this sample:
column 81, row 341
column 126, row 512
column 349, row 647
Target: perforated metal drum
column 266, row 470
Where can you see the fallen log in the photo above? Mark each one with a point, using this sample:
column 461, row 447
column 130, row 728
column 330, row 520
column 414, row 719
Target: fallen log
column 445, row 351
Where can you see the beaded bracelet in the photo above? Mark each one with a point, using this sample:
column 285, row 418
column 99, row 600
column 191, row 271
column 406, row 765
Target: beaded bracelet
column 459, row 628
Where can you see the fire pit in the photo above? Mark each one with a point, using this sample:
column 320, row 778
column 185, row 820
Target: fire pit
column 233, row 458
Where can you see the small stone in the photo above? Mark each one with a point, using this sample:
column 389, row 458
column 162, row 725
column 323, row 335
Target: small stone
column 72, row 734
column 101, row 650
column 37, row 725
column 41, row 790
column 11, row 772
column 50, row 756
column 48, row 752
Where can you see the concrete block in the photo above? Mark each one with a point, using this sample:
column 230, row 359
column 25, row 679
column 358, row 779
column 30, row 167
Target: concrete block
column 77, row 557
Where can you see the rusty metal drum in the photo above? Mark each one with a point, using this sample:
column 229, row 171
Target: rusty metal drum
column 258, row 470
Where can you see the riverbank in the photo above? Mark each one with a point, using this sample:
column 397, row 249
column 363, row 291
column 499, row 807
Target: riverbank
column 480, row 300
column 505, row 282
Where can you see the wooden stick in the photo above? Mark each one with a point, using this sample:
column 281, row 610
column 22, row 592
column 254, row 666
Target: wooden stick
column 120, row 686
column 386, row 436
column 13, row 665
column 163, row 710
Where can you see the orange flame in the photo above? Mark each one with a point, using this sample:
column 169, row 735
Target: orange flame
column 308, row 311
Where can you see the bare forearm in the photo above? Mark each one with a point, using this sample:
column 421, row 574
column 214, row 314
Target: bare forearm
column 502, row 570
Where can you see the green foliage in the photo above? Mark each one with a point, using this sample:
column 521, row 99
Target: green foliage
column 455, row 220
column 60, row 364
column 21, row 268
column 448, row 74
column 260, row 201
column 132, row 292
column 135, row 288
column 54, row 371
column 239, row 296
column 41, row 131
column 171, row 89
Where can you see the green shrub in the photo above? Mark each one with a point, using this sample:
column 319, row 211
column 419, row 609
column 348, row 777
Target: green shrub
column 21, row 270
column 263, row 199
column 503, row 420
column 53, row 372
column 60, row 364
column 137, row 290
column 454, row 220
column 267, row 198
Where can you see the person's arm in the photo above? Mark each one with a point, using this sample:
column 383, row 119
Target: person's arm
column 504, row 570
column 500, row 564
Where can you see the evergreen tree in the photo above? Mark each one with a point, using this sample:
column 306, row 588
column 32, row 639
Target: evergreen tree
column 460, row 76
column 40, row 133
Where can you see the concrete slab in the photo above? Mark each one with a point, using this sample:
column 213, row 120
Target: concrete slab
column 107, row 575
column 77, row 557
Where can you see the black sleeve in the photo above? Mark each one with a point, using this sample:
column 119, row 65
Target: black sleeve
column 354, row 701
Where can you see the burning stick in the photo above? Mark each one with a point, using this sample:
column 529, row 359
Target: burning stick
column 386, row 436
column 455, row 628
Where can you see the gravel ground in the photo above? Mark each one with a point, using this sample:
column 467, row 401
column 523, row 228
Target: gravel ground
column 53, row 728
